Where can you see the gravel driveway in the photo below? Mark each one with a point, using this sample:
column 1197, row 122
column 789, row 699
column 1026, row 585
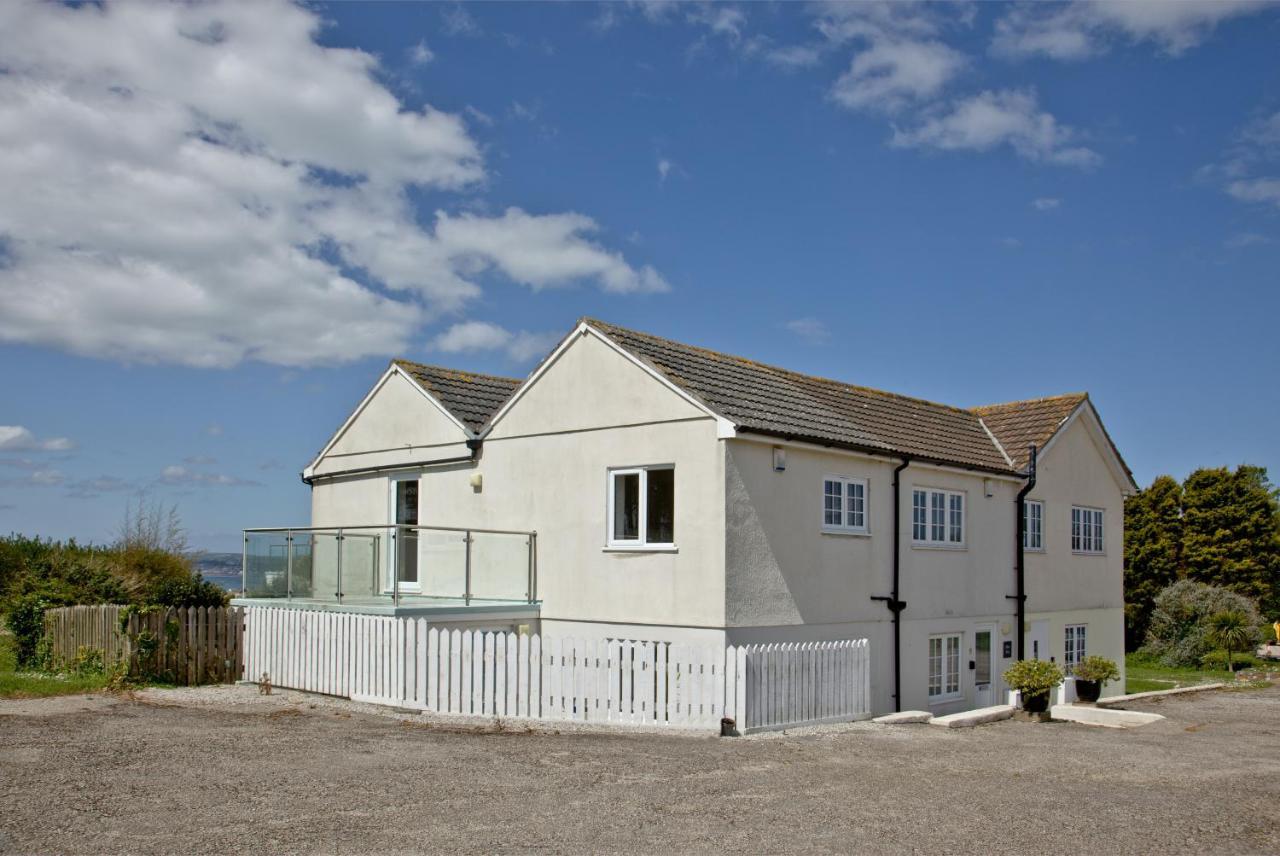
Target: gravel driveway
column 224, row 770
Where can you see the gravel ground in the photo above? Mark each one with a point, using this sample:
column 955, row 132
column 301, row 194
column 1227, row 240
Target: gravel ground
column 226, row 770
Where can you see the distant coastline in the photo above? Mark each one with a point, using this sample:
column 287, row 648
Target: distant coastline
column 221, row 569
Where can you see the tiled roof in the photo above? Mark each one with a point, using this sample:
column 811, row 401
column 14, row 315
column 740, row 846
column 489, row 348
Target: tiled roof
column 1019, row 424
column 470, row 397
column 778, row 402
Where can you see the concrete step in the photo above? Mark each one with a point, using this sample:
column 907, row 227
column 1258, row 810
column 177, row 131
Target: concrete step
column 970, row 718
column 905, row 717
column 1089, row 715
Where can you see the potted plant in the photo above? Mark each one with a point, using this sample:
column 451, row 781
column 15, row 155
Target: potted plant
column 1034, row 679
column 1091, row 673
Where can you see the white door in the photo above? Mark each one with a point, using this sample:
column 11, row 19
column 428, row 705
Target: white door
column 984, row 665
column 404, row 546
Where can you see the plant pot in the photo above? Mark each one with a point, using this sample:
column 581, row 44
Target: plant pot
column 1088, row 690
column 1037, row 703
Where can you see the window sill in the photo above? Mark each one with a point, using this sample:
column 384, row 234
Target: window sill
column 917, row 545
column 1033, row 549
column 640, row 548
column 1088, row 553
column 857, row 533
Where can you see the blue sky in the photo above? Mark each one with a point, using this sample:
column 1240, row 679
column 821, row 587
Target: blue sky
column 224, row 221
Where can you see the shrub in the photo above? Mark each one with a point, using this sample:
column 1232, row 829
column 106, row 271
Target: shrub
column 192, row 590
column 1180, row 633
column 26, row 623
column 1033, row 677
column 1097, row 669
column 1216, row 661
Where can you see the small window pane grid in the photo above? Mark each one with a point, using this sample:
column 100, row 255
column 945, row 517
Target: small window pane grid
column 1033, row 525
column 937, row 517
column 642, row 507
column 844, row 504
column 1073, row 649
column 944, row 666
column 1086, row 530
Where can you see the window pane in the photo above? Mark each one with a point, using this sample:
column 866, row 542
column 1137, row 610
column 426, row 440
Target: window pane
column 938, row 506
column 982, row 657
column 918, row 515
column 957, row 518
column 831, row 503
column 857, row 505
column 626, row 507
column 1075, row 529
column 953, row 664
column 661, row 510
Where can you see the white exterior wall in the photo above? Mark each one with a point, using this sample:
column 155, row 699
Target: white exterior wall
column 788, row 580
column 1069, row 588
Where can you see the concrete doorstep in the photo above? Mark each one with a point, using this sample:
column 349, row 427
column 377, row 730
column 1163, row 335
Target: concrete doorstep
column 970, row 718
column 1087, row 714
column 905, row 717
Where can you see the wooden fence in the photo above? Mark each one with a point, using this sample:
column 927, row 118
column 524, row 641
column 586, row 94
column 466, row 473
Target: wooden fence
column 181, row 645
column 407, row 663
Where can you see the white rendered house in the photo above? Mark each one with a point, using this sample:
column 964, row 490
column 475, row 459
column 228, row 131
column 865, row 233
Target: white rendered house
column 638, row 488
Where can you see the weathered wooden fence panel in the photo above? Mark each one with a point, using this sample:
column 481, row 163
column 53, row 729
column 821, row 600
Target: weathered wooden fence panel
column 184, row 645
column 406, row 662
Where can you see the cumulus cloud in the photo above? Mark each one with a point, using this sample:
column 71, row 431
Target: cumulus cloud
column 475, row 336
column 990, row 120
column 16, row 438
column 205, row 183
column 1248, row 171
column 812, row 330
column 1046, row 203
column 791, row 57
column 420, row 54
column 1085, row 28
column 888, row 75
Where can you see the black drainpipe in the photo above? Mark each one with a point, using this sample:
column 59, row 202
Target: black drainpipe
column 1020, row 567
column 895, row 605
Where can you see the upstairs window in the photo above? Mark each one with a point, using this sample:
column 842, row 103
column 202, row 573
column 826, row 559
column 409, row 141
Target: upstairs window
column 642, row 507
column 937, row 517
column 1033, row 525
column 1086, row 530
column 844, row 504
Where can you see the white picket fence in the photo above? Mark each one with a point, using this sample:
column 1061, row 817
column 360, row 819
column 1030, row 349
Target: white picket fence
column 405, row 662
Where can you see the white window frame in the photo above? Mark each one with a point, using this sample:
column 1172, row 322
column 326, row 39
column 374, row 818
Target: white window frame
column 1033, row 536
column 844, row 511
column 1075, row 645
column 641, row 542
column 1088, row 530
column 943, row 689
column 931, row 520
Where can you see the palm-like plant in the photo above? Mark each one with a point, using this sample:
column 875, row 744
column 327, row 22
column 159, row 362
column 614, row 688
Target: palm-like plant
column 1230, row 629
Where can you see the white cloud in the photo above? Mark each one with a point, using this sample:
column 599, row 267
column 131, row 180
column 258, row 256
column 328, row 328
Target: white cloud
column 213, row 429
column 204, row 183
column 990, row 120
column 1081, row 29
column 664, row 168
column 891, row 74
column 421, row 54
column 792, row 57
column 1046, row 203
column 37, row 478
column 474, row 336
column 812, row 330
column 457, row 21
column 1246, row 172
column 180, row 476
column 16, row 438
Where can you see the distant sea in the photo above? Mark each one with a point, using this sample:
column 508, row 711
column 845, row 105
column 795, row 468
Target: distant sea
column 221, row 569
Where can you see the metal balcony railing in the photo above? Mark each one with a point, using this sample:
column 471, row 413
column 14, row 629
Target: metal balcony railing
column 396, row 563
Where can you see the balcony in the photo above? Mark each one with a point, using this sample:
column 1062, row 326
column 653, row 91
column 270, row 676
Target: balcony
column 391, row 569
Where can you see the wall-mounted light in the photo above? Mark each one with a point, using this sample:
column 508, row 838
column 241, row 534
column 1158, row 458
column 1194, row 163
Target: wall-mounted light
column 989, row 487
column 779, row 459
column 477, row 481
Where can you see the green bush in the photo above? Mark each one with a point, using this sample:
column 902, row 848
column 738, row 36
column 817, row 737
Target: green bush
column 188, row 591
column 1181, row 632
column 1097, row 669
column 26, row 622
column 1033, row 677
column 1216, row 661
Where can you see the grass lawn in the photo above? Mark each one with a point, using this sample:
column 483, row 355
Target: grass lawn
column 1143, row 674
column 15, row 684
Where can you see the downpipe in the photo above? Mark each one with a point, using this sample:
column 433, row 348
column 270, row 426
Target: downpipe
column 1020, row 547
column 893, row 601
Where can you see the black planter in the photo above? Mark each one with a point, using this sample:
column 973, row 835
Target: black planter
column 1037, row 703
column 1088, row 690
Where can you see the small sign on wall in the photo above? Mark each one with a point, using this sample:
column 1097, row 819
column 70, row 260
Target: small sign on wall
column 1008, row 649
